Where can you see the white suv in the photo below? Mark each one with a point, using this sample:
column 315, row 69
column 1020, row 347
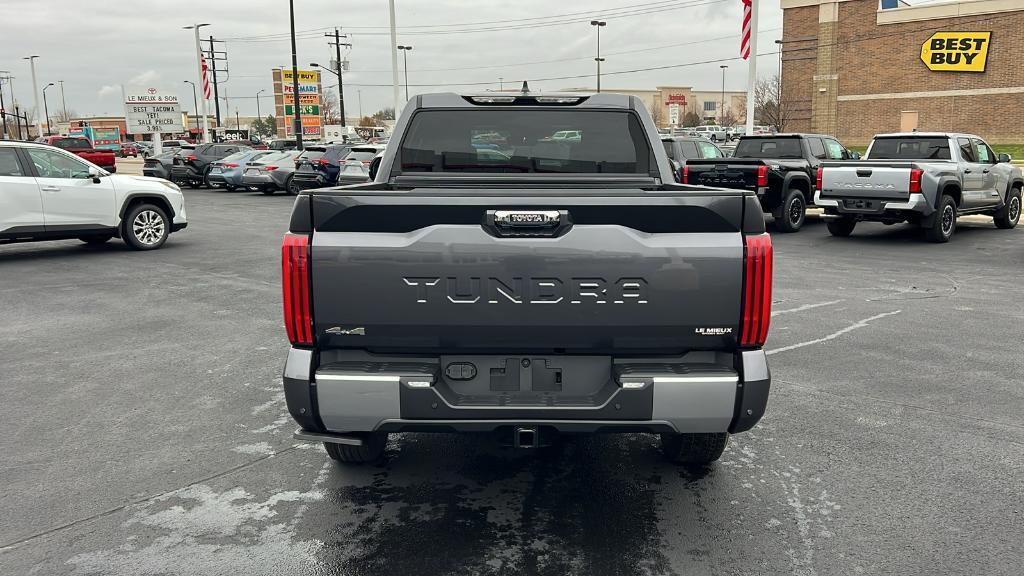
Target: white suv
column 713, row 133
column 50, row 194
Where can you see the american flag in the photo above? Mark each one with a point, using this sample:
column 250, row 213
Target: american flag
column 206, row 79
column 745, row 41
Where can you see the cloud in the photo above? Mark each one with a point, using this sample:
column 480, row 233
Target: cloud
column 147, row 77
column 108, row 90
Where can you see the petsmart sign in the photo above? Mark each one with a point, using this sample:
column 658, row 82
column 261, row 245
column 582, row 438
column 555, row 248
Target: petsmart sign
column 956, row 51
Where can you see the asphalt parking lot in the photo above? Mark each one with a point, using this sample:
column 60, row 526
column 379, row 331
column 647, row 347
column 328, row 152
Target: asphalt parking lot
column 143, row 428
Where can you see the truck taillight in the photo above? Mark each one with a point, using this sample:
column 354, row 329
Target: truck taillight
column 757, row 289
column 323, row 161
column 915, row 180
column 762, row 176
column 818, row 178
column 684, row 174
column 298, row 320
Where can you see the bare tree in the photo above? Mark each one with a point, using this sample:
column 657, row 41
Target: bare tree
column 657, row 114
column 767, row 107
column 60, row 116
column 329, row 109
column 728, row 119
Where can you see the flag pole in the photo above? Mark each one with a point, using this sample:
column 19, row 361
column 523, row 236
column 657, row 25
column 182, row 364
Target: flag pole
column 752, row 71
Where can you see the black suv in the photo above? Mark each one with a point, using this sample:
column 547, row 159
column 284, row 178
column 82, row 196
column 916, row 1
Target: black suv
column 193, row 168
column 318, row 166
column 781, row 168
column 683, row 148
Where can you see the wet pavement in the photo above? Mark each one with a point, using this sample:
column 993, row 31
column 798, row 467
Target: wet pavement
column 143, row 428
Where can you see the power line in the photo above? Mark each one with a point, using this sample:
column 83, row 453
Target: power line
column 545, row 23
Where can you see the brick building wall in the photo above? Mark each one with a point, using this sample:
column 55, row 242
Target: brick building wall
column 854, row 77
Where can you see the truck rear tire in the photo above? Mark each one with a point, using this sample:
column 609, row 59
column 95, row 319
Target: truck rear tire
column 841, row 227
column 944, row 222
column 703, row 448
column 791, row 215
column 1008, row 216
column 371, row 451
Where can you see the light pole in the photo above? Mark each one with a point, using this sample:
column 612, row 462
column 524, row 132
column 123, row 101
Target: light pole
column 296, row 118
column 501, row 84
column 360, row 93
column 195, row 102
column 63, row 103
column 721, row 113
column 598, row 24
column 35, row 93
column 199, row 69
column 405, row 65
column 258, row 116
column 3, row 109
column 45, row 109
column 779, row 43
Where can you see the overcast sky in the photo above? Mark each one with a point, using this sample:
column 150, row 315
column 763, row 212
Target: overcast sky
column 454, row 42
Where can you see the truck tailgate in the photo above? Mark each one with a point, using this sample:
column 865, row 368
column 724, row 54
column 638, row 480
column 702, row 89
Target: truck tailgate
column 623, row 270
column 887, row 181
column 736, row 173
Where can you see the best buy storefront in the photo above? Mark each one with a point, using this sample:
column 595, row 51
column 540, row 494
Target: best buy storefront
column 854, row 68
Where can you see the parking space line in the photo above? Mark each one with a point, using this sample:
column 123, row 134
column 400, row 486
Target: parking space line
column 805, row 307
column 859, row 324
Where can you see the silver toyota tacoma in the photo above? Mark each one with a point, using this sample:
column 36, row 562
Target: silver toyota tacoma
column 496, row 278
column 927, row 179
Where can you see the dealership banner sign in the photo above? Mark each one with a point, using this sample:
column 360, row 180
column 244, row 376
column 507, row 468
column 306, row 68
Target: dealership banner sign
column 956, row 51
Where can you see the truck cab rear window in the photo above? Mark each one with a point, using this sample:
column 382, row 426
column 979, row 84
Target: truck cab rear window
column 910, row 148
column 72, row 143
column 525, row 141
column 769, row 148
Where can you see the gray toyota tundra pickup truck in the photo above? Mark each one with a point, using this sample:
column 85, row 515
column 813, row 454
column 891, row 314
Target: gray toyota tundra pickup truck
column 493, row 278
column 927, row 179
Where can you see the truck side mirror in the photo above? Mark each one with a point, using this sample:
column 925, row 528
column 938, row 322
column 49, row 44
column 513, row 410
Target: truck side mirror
column 374, row 166
column 1004, row 158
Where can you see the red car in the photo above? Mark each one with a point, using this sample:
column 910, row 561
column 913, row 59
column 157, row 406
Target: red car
column 129, row 149
column 83, row 147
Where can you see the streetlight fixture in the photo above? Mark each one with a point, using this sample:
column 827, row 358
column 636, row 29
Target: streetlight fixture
column 199, row 77
column 35, row 92
column 45, row 109
column 405, row 65
column 195, row 102
column 598, row 24
column 721, row 113
column 258, row 116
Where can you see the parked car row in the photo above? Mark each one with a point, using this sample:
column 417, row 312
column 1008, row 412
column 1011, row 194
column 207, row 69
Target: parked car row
column 926, row 179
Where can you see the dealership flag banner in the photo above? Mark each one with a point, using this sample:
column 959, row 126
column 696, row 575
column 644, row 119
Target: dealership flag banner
column 206, row 80
column 745, row 39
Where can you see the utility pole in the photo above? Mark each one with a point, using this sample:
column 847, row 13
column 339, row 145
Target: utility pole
column 3, row 109
column 341, row 84
column 296, row 117
column 63, row 103
column 360, row 92
column 46, row 109
column 199, row 66
column 258, row 116
column 35, row 94
column 598, row 24
column 752, row 71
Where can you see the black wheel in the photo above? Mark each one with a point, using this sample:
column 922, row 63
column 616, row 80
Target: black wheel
column 1008, row 216
column 291, row 186
column 371, row 450
column 944, row 224
column 841, row 227
column 790, row 216
column 206, row 178
column 230, row 187
column 694, row 448
column 145, row 227
column 268, row 190
column 96, row 240
column 193, row 184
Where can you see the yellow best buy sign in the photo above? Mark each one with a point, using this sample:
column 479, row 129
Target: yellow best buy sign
column 956, row 51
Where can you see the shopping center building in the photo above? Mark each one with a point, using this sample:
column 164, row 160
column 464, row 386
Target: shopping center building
column 669, row 104
column 854, row 68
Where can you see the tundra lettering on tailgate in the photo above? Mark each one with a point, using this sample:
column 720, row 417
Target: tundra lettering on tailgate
column 519, row 290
